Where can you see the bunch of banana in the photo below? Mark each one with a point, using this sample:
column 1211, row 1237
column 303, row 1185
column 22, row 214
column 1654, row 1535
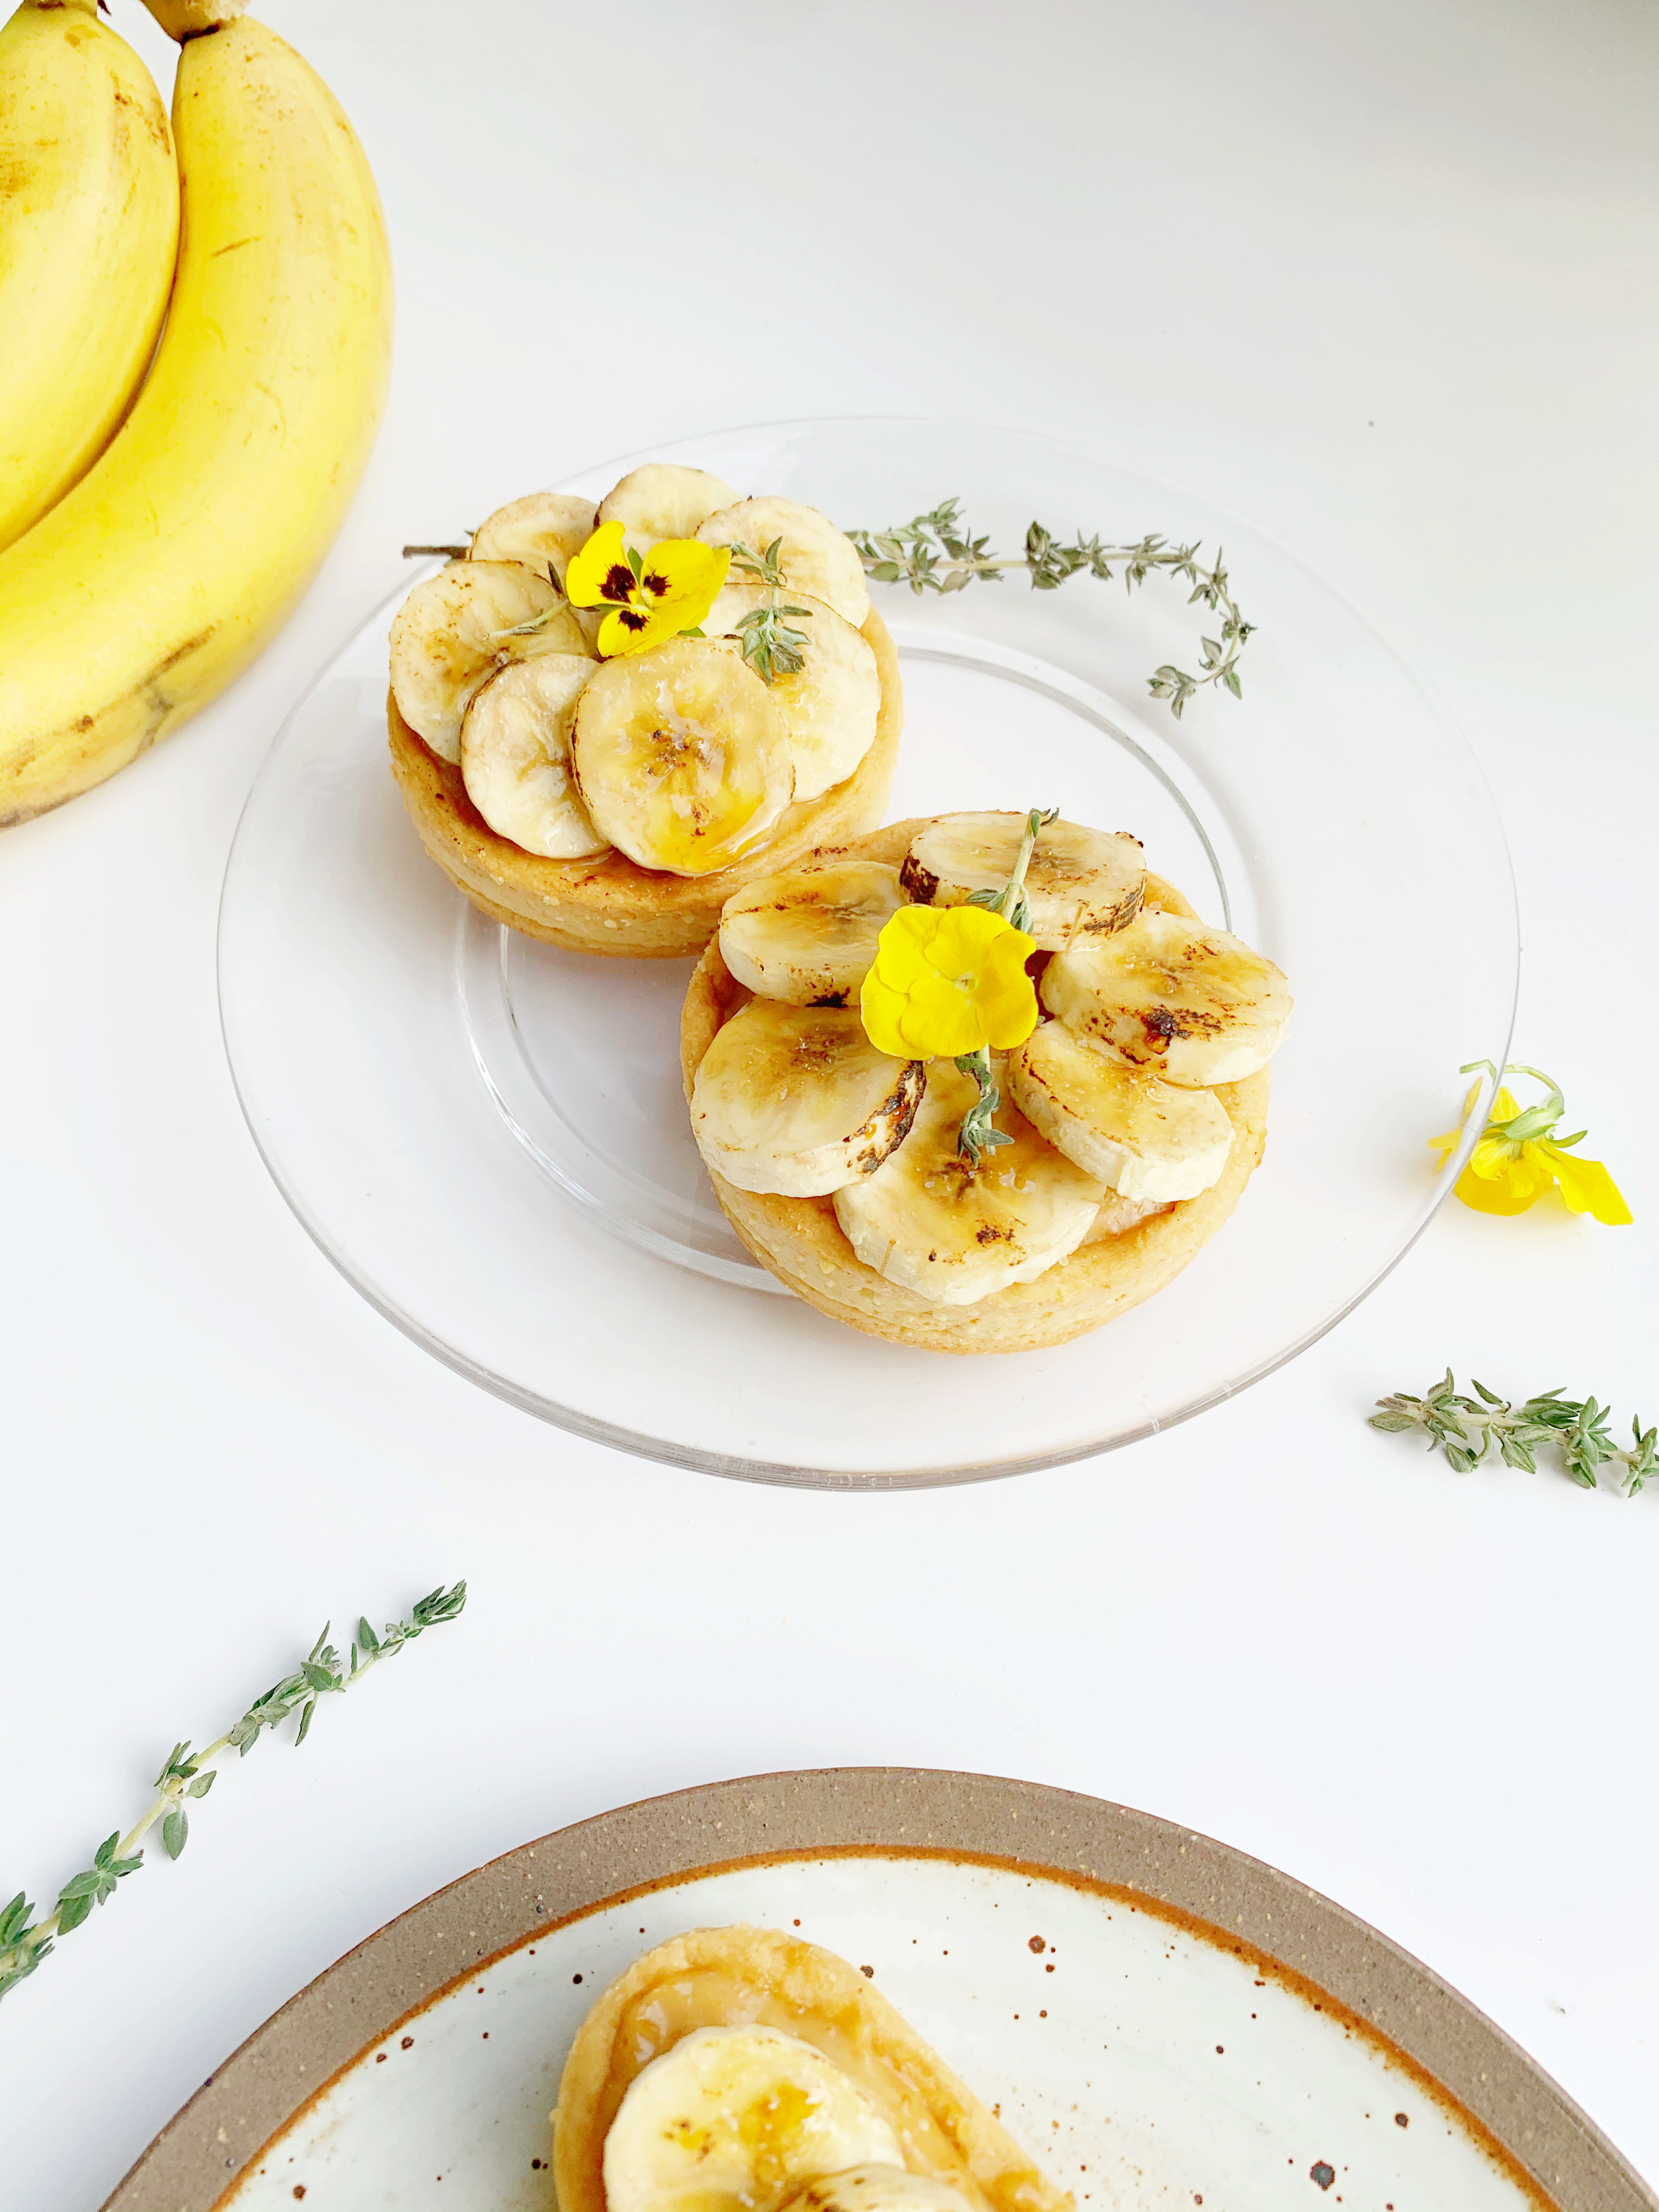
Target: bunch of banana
column 1108, row 1110
column 158, row 574
column 87, row 246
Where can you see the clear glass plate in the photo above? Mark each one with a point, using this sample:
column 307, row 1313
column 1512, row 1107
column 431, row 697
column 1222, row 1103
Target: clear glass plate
column 487, row 1136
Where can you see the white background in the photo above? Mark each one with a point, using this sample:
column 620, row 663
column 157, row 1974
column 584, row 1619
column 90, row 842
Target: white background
column 1384, row 281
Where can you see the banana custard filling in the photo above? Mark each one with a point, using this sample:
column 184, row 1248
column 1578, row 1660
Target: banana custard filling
column 604, row 720
column 740, row 2069
column 978, row 1083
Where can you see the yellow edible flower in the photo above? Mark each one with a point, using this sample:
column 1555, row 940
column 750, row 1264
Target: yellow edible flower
column 662, row 594
column 947, row 981
column 1519, row 1157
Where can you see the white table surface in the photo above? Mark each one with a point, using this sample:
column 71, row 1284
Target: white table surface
column 1383, row 281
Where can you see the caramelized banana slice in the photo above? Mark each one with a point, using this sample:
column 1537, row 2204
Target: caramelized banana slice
column 515, row 757
column 831, row 702
column 663, row 500
column 952, row 1232
column 1145, row 1138
column 1193, row 1004
column 457, row 628
column 797, row 1101
column 682, row 758
column 1080, row 881
column 543, row 531
column 815, row 557
column 808, row 938
column 735, row 2119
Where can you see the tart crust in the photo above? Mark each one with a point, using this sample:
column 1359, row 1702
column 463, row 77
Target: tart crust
column 801, row 1242
column 608, row 904
column 732, row 1976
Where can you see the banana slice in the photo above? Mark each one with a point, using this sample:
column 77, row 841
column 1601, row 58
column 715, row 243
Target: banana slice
column 797, row 1101
column 542, row 530
column 1194, row 1004
column 515, row 757
column 829, row 702
column 1116, row 1215
column 953, row 1233
column 1145, row 1139
column 815, row 557
column 809, row 938
column 682, row 758
column 878, row 2189
column 451, row 636
column 737, row 2119
column 1080, row 881
column 660, row 501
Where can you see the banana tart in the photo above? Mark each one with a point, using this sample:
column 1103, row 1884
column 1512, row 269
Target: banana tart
column 604, row 723
column 978, row 1083
column 739, row 2070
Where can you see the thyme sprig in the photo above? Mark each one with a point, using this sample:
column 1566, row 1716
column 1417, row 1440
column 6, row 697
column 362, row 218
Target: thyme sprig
column 1010, row 902
column 188, row 1774
column 1466, row 1428
column 978, row 1132
column 769, row 644
column 938, row 552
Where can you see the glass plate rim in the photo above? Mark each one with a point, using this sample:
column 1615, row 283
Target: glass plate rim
column 667, row 1451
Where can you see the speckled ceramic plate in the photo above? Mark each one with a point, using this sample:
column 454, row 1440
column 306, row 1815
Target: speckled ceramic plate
column 1158, row 2018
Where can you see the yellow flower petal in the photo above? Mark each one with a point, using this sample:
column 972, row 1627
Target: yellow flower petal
column 598, row 575
column 1007, row 997
column 947, row 981
column 1502, row 1108
column 1504, row 1195
column 881, row 1012
column 1586, row 1186
column 940, row 1020
column 1503, row 1177
column 1495, row 1159
column 632, row 629
column 685, row 577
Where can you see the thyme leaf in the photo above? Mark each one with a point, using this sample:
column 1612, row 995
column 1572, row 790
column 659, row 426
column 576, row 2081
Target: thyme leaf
column 978, row 1132
column 187, row 1774
column 1466, row 1429
column 938, row 552
column 767, row 643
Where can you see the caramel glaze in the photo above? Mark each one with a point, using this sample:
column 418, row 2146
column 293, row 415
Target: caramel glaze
column 741, row 1976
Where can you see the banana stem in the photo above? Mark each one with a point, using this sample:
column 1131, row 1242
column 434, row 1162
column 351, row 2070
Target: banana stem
column 191, row 19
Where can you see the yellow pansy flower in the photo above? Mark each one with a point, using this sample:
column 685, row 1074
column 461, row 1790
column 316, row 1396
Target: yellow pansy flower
column 1520, row 1156
column 662, row 594
column 948, row 982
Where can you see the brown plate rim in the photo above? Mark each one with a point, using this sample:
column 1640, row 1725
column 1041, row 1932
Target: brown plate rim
column 1526, row 2120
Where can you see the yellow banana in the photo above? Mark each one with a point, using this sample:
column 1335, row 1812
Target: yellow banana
column 88, row 230
column 162, row 573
